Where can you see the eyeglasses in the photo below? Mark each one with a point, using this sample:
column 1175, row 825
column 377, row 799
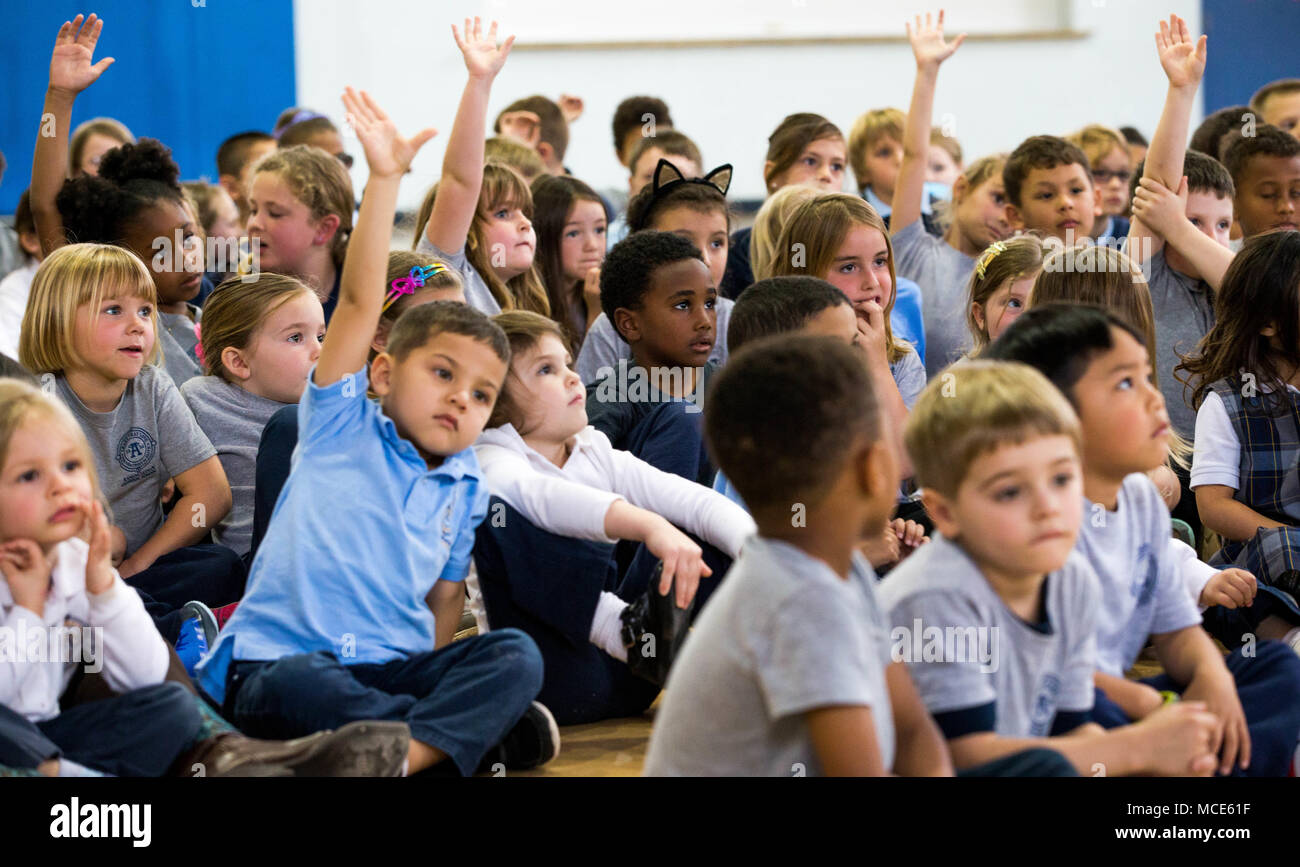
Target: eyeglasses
column 1105, row 176
column 346, row 159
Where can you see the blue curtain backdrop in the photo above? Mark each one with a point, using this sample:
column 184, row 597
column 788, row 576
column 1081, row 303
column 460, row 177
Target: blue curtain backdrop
column 1252, row 42
column 188, row 72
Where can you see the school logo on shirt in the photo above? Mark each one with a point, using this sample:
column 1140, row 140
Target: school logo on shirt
column 1145, row 588
column 136, row 450
column 1044, row 708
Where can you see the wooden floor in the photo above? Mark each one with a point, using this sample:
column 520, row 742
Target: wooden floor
column 612, row 748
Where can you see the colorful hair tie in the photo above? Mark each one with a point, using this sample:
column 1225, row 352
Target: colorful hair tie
column 198, row 347
column 989, row 255
column 415, row 279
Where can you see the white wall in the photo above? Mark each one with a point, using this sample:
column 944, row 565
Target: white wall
column 994, row 93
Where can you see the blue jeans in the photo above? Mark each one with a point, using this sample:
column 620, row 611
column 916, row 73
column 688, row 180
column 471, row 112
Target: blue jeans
column 1268, row 685
column 138, row 734
column 1037, row 762
column 461, row 699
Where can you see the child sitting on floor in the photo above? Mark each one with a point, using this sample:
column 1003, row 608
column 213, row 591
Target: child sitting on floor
column 545, row 564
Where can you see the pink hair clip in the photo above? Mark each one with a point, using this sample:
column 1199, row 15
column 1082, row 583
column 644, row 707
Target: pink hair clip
column 198, row 347
column 415, row 279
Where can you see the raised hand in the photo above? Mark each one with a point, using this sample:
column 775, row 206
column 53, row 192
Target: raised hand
column 27, row 571
column 387, row 153
column 1183, row 60
column 71, row 70
column 483, row 57
column 523, row 126
column 928, row 45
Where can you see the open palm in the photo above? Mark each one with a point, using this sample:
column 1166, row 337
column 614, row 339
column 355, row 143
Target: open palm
column 483, row 57
column 1183, row 60
column 928, row 45
column 71, row 69
column 387, row 153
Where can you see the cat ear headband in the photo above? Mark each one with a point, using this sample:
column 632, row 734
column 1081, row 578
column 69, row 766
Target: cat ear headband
column 667, row 176
column 412, row 281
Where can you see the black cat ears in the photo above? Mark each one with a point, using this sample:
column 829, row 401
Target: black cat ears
column 666, row 176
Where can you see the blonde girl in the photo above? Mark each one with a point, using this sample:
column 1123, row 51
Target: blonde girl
column 300, row 218
column 89, row 333
column 1000, row 286
column 259, row 341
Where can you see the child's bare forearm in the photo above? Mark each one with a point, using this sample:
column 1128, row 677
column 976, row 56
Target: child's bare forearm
column 50, row 168
column 916, row 146
column 1232, row 519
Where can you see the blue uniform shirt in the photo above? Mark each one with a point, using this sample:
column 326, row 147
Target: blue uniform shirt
column 361, row 532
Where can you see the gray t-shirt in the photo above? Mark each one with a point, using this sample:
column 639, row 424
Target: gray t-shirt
column 1143, row 592
column 477, row 293
column 178, row 341
column 942, row 272
column 232, row 419
column 1184, row 311
column 602, row 346
column 988, row 655
column 149, row 438
column 909, row 376
column 782, row 636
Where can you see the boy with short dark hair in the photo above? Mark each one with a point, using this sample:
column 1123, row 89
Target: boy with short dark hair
column 658, row 293
column 1151, row 583
column 1265, row 169
column 630, row 119
column 235, row 157
column 669, row 145
column 1049, row 189
column 788, row 670
column 996, row 450
column 350, row 613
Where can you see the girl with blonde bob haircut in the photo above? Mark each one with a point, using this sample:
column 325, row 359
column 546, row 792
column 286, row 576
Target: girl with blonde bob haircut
column 68, row 291
column 92, row 326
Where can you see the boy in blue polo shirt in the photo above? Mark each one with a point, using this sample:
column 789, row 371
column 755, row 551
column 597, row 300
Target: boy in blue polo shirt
column 374, row 527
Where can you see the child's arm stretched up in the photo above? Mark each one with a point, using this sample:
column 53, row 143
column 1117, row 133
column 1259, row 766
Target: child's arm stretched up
column 930, row 50
column 462, row 167
column 361, row 288
column 71, row 72
column 1184, row 63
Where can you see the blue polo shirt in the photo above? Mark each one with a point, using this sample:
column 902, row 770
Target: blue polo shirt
column 361, row 532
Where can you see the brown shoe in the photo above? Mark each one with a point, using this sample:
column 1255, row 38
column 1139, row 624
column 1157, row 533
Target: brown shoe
column 360, row 749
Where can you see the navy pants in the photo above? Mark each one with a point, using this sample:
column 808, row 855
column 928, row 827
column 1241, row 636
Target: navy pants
column 548, row 586
column 461, row 699
column 138, row 734
column 279, row 438
column 1269, row 688
column 1038, row 762
column 211, row 574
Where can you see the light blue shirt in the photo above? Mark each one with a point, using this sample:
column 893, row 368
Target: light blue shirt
column 361, row 532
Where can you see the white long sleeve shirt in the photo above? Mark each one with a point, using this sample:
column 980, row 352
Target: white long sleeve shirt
column 572, row 500
column 40, row 654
